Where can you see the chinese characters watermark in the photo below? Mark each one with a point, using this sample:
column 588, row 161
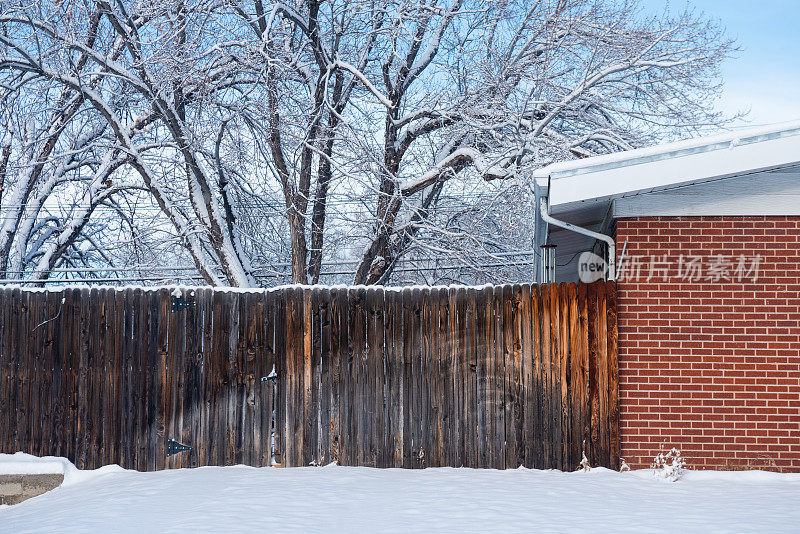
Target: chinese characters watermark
column 712, row 268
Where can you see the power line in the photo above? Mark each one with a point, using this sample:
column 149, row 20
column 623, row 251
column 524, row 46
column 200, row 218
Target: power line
column 165, row 279
column 271, row 266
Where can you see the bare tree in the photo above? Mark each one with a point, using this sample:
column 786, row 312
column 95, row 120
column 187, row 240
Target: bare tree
column 307, row 133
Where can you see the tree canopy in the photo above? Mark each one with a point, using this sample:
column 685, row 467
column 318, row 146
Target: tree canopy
column 245, row 143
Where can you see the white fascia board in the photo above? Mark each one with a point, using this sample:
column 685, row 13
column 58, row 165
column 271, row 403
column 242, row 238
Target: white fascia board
column 658, row 205
column 669, row 150
column 698, row 167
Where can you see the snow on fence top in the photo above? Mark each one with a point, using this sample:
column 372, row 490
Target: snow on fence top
column 180, row 290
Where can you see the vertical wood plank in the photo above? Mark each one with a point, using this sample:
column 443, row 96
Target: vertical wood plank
column 62, row 421
column 14, row 368
column 51, row 360
column 594, row 402
column 394, row 426
column 414, row 346
column 408, row 377
column 214, row 364
column 153, row 379
column 613, row 374
column 380, row 419
column 294, row 398
column 520, row 310
column 205, row 358
column 72, row 342
column 370, row 407
column 36, row 316
column 339, row 366
column 482, row 348
column 545, row 395
column 83, row 396
column 426, row 455
column 165, row 378
column 447, row 348
column 575, row 375
column 564, row 380
column 7, row 409
column 139, row 329
column 114, row 334
column 230, row 385
column 509, row 341
column 100, row 371
column 235, row 390
column 361, row 407
column 267, row 434
column 471, row 376
column 309, row 413
column 97, row 366
column 534, row 397
column 127, row 427
column 390, row 375
column 526, row 392
column 33, row 347
column 498, row 382
column 256, row 441
column 347, row 366
column 51, row 309
column 281, row 302
column 25, row 369
column 176, row 368
column 602, row 368
column 325, row 345
column 460, row 378
column 438, row 345
column 313, row 374
column 585, row 401
column 555, row 375
column 8, row 376
column 490, row 380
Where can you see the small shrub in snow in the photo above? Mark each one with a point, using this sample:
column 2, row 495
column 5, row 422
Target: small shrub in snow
column 669, row 466
column 584, row 466
column 623, row 466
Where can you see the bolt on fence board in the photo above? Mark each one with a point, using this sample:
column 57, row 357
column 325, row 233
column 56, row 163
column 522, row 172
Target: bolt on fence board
column 488, row 377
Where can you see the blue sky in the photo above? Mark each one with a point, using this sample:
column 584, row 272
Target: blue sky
column 765, row 75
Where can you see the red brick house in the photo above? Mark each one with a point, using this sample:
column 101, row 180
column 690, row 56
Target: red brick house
column 707, row 244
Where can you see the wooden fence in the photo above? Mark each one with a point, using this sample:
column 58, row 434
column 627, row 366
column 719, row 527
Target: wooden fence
column 495, row 376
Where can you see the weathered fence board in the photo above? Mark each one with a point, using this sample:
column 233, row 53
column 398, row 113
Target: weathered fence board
column 496, row 377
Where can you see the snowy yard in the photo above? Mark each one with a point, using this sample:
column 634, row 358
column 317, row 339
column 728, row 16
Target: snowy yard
column 349, row 499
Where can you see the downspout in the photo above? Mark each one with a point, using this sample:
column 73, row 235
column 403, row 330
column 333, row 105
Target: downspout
column 544, row 209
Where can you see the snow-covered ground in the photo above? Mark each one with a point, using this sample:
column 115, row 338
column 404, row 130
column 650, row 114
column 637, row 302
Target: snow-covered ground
column 351, row 499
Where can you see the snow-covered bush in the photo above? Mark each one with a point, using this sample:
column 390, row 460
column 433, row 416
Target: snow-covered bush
column 669, row 466
column 623, row 466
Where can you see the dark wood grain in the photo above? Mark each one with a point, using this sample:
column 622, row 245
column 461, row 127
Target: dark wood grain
column 471, row 380
column 526, row 379
column 485, row 377
column 407, row 348
column 461, row 364
column 613, row 374
column 509, row 336
column 602, row 371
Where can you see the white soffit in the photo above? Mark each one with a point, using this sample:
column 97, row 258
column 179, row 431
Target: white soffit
column 602, row 178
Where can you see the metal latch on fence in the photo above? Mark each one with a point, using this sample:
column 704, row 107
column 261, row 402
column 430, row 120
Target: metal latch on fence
column 173, row 447
column 179, row 304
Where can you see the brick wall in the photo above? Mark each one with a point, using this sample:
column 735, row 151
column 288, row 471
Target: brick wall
column 709, row 359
